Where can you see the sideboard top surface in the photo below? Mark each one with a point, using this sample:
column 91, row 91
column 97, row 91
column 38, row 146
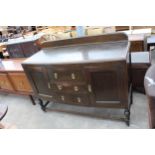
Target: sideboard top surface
column 81, row 53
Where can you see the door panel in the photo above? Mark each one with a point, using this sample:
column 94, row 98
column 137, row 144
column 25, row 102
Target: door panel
column 20, row 82
column 105, row 86
column 5, row 83
column 108, row 82
column 40, row 81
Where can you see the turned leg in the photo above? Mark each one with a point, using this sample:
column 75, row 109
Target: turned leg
column 127, row 116
column 32, row 99
column 43, row 105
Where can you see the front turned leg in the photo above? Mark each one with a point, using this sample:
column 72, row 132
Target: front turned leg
column 127, row 116
column 43, row 105
column 32, row 99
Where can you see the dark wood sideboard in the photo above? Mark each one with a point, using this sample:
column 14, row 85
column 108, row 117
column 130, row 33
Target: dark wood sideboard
column 90, row 71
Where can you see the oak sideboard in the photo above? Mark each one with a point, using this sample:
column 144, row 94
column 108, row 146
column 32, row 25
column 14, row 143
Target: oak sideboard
column 90, row 71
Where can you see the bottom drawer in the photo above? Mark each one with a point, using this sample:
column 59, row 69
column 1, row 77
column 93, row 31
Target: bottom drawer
column 72, row 99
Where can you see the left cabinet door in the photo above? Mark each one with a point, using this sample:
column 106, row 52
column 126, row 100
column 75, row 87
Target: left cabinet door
column 39, row 80
column 5, row 83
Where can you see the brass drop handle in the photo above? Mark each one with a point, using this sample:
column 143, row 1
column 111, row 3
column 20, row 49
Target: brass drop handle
column 59, row 87
column 56, row 75
column 89, row 88
column 73, row 76
column 79, row 99
column 76, row 88
column 62, row 98
column 49, row 85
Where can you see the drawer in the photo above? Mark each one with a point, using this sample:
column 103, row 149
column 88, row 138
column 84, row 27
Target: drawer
column 72, row 99
column 65, row 75
column 20, row 82
column 70, row 88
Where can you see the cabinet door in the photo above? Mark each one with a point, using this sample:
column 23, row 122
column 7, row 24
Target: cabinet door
column 109, row 83
column 20, row 82
column 5, row 84
column 15, row 51
column 39, row 80
column 29, row 48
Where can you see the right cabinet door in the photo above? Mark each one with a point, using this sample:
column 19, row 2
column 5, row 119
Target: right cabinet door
column 109, row 84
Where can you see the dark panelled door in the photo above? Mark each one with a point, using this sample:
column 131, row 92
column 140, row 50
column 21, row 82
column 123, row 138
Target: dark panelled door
column 40, row 81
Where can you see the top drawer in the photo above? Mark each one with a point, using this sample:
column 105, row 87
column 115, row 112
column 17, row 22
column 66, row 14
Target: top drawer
column 65, row 74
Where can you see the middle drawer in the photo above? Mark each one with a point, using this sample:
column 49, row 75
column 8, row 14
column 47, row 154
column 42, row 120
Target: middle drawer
column 70, row 88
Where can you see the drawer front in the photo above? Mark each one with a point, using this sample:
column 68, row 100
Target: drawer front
column 20, row 82
column 72, row 99
column 5, row 83
column 65, row 75
column 68, row 88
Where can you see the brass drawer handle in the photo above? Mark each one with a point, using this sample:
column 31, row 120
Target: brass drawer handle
column 62, row 98
column 72, row 76
column 56, row 75
column 59, row 87
column 76, row 88
column 89, row 88
column 49, row 85
column 79, row 99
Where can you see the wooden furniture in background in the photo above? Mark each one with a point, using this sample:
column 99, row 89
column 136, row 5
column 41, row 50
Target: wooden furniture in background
column 22, row 50
column 13, row 78
column 138, row 42
column 141, row 61
column 142, row 27
column 121, row 28
column 150, row 42
column 89, row 71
